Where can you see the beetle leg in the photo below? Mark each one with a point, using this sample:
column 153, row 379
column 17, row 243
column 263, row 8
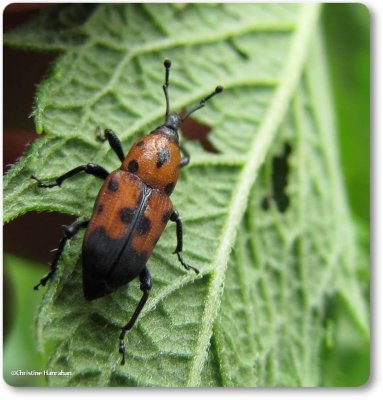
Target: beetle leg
column 185, row 159
column 70, row 231
column 146, row 285
column 176, row 218
column 113, row 140
column 90, row 168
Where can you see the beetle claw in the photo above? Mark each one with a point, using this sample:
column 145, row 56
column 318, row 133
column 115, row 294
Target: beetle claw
column 194, row 269
column 36, row 179
column 185, row 264
column 122, row 351
column 44, row 185
column 100, row 137
column 41, row 283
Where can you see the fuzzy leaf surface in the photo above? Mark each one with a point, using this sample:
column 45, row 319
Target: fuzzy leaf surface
column 255, row 316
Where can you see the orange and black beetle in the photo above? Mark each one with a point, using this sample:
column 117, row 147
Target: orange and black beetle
column 131, row 210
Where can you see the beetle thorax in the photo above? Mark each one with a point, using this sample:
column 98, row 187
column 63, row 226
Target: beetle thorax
column 155, row 159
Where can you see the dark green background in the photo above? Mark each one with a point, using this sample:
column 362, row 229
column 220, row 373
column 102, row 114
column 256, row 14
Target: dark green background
column 347, row 32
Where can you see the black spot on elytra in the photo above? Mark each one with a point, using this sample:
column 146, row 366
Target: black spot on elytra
column 99, row 208
column 169, row 188
column 162, row 156
column 113, row 185
column 133, row 166
column 140, row 143
column 143, row 227
column 127, row 215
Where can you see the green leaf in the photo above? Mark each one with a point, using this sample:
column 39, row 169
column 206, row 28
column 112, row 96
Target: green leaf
column 269, row 258
column 20, row 306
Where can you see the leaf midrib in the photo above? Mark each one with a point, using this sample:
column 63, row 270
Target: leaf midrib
column 257, row 153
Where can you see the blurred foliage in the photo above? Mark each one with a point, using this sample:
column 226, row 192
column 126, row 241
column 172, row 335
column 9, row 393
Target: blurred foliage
column 347, row 30
column 20, row 308
column 346, row 358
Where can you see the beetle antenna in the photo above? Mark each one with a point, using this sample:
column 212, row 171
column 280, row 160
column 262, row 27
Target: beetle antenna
column 167, row 64
column 202, row 103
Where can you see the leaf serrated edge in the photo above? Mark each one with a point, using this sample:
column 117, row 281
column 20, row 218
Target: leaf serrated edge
column 268, row 129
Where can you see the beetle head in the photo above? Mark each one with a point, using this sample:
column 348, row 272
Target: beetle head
column 173, row 121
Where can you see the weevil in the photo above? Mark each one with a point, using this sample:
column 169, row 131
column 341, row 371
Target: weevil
column 131, row 211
